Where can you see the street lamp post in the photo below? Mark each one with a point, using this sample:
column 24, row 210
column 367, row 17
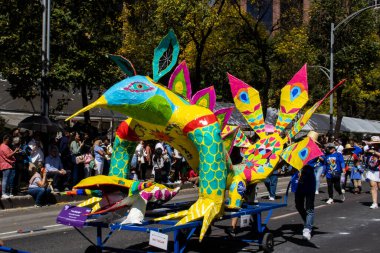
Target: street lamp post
column 332, row 41
column 45, row 54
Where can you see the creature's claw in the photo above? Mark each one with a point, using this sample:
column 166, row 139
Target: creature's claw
column 204, row 207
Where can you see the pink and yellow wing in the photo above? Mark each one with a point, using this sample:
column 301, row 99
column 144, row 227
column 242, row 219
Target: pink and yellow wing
column 300, row 153
column 307, row 115
column 294, row 96
column 179, row 81
column 247, row 101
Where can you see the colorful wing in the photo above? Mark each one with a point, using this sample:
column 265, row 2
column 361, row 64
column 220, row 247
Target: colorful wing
column 180, row 81
column 305, row 118
column 241, row 140
column 125, row 65
column 229, row 139
column 223, row 115
column 294, row 96
column 300, row 153
column 247, row 101
column 205, row 98
column 165, row 56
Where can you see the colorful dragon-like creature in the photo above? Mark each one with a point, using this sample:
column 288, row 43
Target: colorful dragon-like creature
column 190, row 125
column 155, row 112
column 264, row 155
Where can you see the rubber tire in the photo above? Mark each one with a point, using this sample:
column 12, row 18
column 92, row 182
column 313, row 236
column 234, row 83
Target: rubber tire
column 267, row 243
column 93, row 249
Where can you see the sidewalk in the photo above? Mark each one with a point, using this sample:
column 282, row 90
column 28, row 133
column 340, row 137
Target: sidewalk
column 27, row 200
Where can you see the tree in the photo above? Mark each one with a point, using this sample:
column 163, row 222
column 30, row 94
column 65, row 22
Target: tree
column 82, row 34
column 356, row 47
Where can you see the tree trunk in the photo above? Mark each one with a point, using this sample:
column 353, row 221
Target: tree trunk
column 265, row 96
column 83, row 89
column 198, row 61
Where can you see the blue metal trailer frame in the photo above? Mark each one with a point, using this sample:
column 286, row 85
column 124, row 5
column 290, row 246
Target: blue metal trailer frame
column 183, row 233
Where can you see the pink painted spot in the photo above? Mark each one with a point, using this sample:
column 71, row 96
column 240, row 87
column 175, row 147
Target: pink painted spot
column 247, row 173
column 166, row 195
column 158, row 194
column 146, row 195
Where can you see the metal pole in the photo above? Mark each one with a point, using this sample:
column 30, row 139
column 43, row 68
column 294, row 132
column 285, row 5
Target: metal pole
column 46, row 93
column 43, row 54
column 331, row 79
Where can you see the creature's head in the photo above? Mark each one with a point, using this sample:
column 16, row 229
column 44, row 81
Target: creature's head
column 138, row 97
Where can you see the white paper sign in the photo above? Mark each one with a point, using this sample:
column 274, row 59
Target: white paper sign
column 244, row 220
column 158, row 240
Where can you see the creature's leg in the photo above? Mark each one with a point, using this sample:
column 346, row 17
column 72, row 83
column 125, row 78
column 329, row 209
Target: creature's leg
column 212, row 177
column 236, row 193
column 123, row 149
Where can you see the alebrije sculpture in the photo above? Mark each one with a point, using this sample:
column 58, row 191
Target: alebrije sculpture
column 155, row 112
column 189, row 124
column 263, row 156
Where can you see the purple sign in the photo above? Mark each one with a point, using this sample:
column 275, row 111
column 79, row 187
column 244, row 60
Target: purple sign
column 73, row 216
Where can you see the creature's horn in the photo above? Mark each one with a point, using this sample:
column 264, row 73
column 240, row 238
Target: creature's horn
column 100, row 102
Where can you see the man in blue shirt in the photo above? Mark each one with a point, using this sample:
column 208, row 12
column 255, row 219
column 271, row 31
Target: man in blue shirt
column 333, row 171
column 55, row 170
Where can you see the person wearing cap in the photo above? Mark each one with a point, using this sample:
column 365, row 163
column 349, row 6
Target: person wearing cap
column 349, row 156
column 373, row 173
column 333, row 171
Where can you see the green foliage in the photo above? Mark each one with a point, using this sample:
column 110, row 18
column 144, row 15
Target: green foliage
column 82, row 33
column 357, row 53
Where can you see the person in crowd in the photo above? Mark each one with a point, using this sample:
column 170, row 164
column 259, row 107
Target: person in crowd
column 54, row 169
column 356, row 176
column 159, row 145
column 373, row 173
column 333, row 171
column 339, row 146
column 36, row 150
column 38, row 186
column 99, row 157
column 75, row 150
column 106, row 145
column 349, row 156
column 148, row 152
column 176, row 166
column 158, row 165
column 193, row 177
column 64, row 148
column 141, row 160
column 305, row 196
column 7, row 162
column 20, row 168
column 317, row 163
column 87, row 160
column 271, row 184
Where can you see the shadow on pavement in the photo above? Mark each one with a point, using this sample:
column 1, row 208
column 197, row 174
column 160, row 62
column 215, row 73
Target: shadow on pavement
column 293, row 233
column 366, row 203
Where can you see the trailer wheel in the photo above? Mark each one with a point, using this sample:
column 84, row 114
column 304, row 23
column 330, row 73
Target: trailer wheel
column 268, row 243
column 93, row 249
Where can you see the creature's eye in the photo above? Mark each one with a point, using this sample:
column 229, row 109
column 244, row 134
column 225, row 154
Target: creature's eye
column 138, row 87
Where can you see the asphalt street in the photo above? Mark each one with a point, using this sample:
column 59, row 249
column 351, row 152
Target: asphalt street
column 344, row 227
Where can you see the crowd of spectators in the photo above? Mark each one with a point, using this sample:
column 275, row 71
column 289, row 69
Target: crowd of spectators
column 31, row 162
